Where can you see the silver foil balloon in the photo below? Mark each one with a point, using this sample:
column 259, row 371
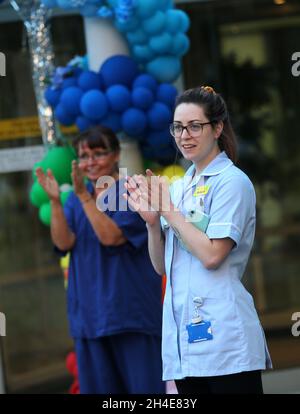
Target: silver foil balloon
column 35, row 16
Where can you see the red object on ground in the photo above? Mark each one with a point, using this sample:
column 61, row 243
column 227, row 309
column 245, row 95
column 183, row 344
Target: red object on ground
column 71, row 364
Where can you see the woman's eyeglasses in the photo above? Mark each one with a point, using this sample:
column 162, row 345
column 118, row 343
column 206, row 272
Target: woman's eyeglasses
column 194, row 129
column 97, row 156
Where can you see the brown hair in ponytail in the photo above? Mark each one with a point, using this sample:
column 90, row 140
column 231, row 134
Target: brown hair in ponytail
column 215, row 110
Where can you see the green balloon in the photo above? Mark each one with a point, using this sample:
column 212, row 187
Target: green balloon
column 59, row 161
column 45, row 214
column 38, row 195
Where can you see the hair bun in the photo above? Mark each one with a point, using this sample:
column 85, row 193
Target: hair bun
column 208, row 89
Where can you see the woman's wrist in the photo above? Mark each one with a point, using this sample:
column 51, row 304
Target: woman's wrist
column 85, row 197
column 55, row 201
column 154, row 225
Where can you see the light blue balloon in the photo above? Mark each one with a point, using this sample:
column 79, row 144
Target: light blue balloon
column 145, row 8
column 49, row 3
column 64, row 4
column 155, row 24
column 181, row 44
column 173, row 21
column 89, row 10
column 185, row 21
column 129, row 26
column 164, row 68
column 161, row 44
column 138, row 37
column 166, row 4
column 143, row 53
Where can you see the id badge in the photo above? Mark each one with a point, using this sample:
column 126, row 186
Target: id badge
column 198, row 332
column 199, row 219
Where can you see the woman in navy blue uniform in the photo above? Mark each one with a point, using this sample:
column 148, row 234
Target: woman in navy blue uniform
column 114, row 294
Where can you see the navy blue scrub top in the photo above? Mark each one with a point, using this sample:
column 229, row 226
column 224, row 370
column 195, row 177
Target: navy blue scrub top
column 111, row 289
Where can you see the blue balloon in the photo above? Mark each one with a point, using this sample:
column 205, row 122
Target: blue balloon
column 52, row 96
column 83, row 123
column 64, row 4
column 162, row 43
column 94, row 104
column 166, row 93
column 159, row 116
column 119, row 69
column 68, row 82
column 62, row 116
column 176, row 21
column 70, row 99
column 138, row 37
column 112, row 121
column 181, row 44
column 119, row 98
column 142, row 97
column 164, row 68
column 134, row 122
column 143, row 53
column 89, row 10
column 155, row 24
column 159, row 139
column 90, row 80
column 146, row 8
column 147, row 81
column 132, row 24
column 47, row 3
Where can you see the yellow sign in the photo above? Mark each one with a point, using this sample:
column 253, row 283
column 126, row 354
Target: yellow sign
column 202, row 190
column 25, row 127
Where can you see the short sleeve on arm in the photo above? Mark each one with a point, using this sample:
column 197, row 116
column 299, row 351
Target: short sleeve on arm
column 69, row 212
column 232, row 206
column 133, row 227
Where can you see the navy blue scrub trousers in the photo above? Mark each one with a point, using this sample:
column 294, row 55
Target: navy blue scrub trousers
column 128, row 363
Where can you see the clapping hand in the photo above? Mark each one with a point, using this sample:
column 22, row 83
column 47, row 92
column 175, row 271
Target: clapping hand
column 49, row 183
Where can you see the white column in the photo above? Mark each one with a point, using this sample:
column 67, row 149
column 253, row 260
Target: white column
column 103, row 41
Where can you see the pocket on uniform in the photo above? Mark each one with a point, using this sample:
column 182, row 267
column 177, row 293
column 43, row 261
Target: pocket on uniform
column 222, row 313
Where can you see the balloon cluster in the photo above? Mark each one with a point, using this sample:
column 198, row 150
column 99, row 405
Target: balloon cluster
column 154, row 29
column 59, row 161
column 121, row 98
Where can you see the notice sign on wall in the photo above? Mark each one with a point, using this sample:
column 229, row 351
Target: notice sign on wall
column 20, row 159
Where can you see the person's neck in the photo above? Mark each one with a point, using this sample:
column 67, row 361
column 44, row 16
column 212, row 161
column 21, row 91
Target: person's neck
column 202, row 164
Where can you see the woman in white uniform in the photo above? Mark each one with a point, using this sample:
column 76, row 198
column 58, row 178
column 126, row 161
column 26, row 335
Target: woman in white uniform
column 200, row 234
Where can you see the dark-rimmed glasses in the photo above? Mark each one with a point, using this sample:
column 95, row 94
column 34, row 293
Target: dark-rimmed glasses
column 194, row 129
column 97, row 156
